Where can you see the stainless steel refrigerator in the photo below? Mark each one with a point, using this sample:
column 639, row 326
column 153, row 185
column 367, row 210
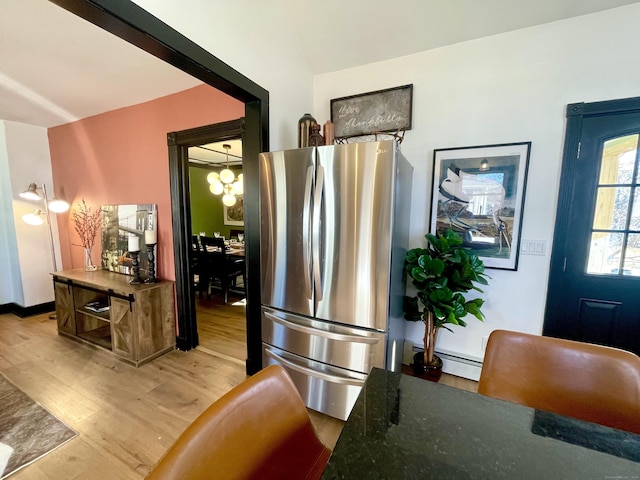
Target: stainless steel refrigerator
column 334, row 233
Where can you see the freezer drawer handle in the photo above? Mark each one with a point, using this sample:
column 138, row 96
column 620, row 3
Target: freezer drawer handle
column 321, row 333
column 314, row 373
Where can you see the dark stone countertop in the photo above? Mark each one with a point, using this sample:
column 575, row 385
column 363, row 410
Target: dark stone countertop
column 404, row 427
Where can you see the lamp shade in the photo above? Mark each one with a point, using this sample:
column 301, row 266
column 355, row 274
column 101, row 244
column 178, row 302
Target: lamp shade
column 31, row 193
column 229, row 200
column 216, row 188
column 213, row 177
column 34, row 218
column 238, row 188
column 227, row 176
column 58, row 206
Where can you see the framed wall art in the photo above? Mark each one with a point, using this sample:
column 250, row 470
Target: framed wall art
column 119, row 222
column 479, row 192
column 234, row 215
column 386, row 110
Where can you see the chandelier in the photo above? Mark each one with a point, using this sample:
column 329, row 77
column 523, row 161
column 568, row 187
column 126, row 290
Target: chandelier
column 225, row 183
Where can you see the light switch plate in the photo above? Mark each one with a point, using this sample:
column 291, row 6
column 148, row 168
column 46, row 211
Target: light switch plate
column 533, row 247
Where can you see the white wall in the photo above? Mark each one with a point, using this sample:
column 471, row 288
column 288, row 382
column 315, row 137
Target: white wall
column 28, row 159
column 511, row 87
column 255, row 39
column 10, row 283
column 507, row 88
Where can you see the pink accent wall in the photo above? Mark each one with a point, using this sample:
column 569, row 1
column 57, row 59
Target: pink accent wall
column 121, row 157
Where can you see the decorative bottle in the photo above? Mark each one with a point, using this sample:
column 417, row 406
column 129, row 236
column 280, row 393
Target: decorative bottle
column 316, row 139
column 305, row 124
column 328, row 130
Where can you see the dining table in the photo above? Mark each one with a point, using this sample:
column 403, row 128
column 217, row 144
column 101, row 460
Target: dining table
column 235, row 250
column 404, row 427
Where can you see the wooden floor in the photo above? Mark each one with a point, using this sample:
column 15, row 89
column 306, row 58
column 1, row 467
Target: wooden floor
column 222, row 328
column 126, row 417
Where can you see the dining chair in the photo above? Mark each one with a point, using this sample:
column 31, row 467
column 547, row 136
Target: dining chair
column 581, row 380
column 195, row 261
column 259, row 430
column 195, row 243
column 217, row 264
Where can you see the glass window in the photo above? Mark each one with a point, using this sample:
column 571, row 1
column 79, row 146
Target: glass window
column 615, row 233
column 612, row 206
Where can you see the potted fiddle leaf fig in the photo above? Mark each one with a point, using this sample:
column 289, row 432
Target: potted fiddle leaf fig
column 441, row 273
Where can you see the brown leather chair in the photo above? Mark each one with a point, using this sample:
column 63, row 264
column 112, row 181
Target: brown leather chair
column 581, row 380
column 259, row 430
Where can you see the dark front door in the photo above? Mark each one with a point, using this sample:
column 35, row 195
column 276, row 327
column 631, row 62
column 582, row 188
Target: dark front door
column 594, row 284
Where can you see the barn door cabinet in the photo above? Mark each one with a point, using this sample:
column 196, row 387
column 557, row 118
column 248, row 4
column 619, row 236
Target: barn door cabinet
column 135, row 322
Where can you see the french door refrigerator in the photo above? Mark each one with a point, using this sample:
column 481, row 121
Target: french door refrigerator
column 334, row 233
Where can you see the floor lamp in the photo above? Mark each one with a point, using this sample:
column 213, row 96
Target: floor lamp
column 35, row 218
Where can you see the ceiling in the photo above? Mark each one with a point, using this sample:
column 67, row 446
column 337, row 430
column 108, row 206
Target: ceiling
column 215, row 154
column 56, row 68
column 366, row 31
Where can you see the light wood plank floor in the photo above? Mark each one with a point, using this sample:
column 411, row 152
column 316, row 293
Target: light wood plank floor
column 126, row 417
column 222, row 328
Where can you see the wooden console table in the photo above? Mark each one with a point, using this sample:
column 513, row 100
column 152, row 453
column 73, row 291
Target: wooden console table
column 137, row 323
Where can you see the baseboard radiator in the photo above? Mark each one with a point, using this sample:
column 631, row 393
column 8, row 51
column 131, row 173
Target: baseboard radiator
column 454, row 363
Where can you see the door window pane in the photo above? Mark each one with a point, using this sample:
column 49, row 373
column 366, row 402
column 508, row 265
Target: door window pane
column 604, row 253
column 612, row 205
column 634, row 224
column 632, row 256
column 618, row 160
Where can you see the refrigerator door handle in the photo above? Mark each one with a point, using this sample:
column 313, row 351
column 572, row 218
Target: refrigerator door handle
column 314, row 373
column 306, row 237
column 317, row 211
column 321, row 333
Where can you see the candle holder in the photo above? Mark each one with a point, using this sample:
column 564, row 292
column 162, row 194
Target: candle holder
column 152, row 263
column 136, row 280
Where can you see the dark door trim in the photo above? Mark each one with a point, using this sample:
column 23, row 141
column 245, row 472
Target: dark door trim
column 138, row 27
column 576, row 113
column 179, row 143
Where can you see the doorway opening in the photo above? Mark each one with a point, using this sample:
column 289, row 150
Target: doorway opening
column 194, row 155
column 219, row 274
column 135, row 25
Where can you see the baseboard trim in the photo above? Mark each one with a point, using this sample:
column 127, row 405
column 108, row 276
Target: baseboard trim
column 23, row 312
column 461, row 365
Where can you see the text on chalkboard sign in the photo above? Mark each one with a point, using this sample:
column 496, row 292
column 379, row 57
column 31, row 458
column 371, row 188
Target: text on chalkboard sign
column 386, row 110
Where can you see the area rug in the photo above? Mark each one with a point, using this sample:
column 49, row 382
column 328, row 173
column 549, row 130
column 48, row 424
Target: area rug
column 26, row 427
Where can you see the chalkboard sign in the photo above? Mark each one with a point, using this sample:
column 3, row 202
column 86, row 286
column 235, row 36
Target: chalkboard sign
column 380, row 111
